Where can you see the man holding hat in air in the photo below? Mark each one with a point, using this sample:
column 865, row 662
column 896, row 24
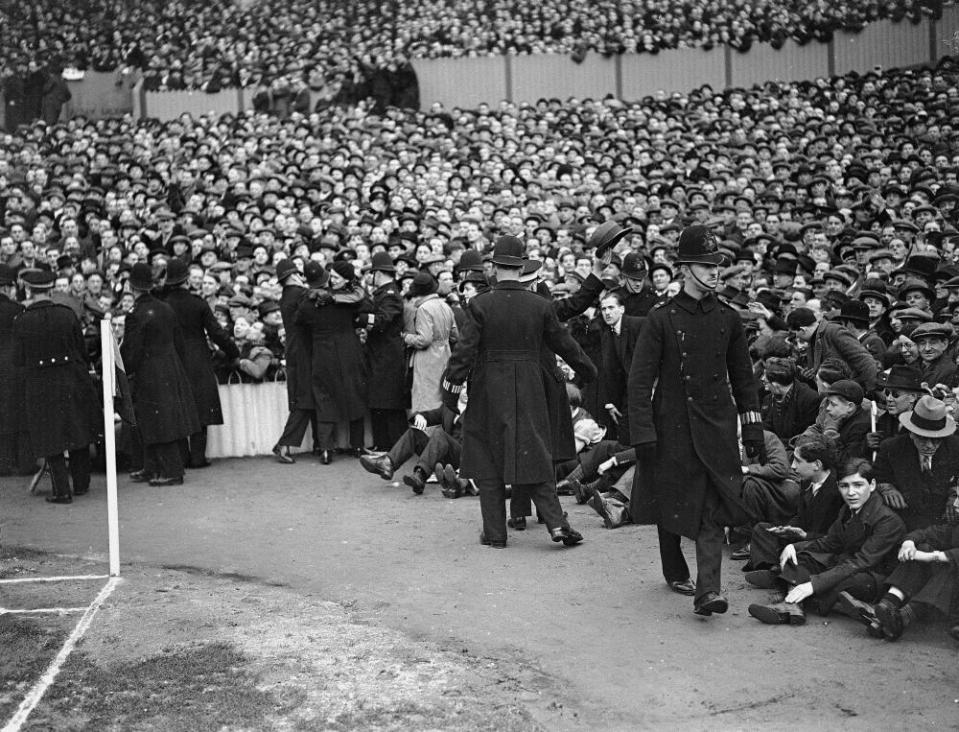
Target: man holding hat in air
column 689, row 478
column 506, row 427
column 62, row 408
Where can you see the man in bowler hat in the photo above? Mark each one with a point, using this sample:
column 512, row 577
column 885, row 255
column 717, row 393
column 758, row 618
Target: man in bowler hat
column 693, row 350
column 506, row 426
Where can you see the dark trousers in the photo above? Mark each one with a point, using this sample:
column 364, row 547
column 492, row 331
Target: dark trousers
column 765, row 547
column 79, row 471
column 164, row 459
column 387, row 425
column 193, row 449
column 437, row 447
column 709, row 548
column 492, row 494
column 934, row 585
column 323, row 438
column 14, row 455
column 295, row 429
column 862, row 585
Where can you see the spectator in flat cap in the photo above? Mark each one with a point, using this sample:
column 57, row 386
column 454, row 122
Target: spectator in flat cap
column 843, row 420
column 937, row 359
column 790, row 405
column 829, row 340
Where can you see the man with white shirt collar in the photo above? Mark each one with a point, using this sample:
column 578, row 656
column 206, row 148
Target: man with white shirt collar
column 617, row 343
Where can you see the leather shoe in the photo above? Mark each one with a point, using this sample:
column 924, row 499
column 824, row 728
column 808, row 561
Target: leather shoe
column 160, row 480
column 59, row 499
column 782, row 613
column 580, row 491
column 683, row 587
column 495, row 543
column 711, row 602
column 740, row 554
column 849, row 606
column 890, row 620
column 518, row 523
column 380, row 465
column 140, row 476
column 80, row 493
column 205, row 464
column 564, row 488
column 283, row 457
column 415, row 481
column 598, row 503
column 565, row 534
column 326, row 457
column 764, row 579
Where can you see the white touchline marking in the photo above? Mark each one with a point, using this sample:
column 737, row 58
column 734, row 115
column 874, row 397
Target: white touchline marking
column 54, row 579
column 44, row 682
column 57, row 610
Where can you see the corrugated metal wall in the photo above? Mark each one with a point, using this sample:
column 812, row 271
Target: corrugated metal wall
column 791, row 63
column 946, row 28
column 885, row 44
column 595, row 77
column 646, row 73
column 100, row 94
column 464, row 82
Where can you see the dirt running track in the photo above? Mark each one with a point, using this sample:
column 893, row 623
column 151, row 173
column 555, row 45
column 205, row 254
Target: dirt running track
column 592, row 632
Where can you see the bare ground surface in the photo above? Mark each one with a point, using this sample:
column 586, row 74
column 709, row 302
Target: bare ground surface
column 336, row 600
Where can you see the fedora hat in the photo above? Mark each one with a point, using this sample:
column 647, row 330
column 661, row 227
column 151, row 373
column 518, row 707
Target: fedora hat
column 928, row 418
column 698, row 245
column 607, row 235
column 508, row 252
column 916, row 285
column 176, row 272
column 854, row 310
column 904, row 378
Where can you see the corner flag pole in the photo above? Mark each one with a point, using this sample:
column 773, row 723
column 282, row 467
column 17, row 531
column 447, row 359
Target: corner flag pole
column 107, row 346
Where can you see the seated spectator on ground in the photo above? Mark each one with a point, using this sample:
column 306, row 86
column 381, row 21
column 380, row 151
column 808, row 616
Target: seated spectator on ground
column 817, row 506
column 828, row 340
column 901, row 388
column 790, row 405
column 843, row 421
column 916, row 470
column 854, row 556
column 925, row 582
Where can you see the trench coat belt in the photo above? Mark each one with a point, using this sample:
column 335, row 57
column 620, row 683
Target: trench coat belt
column 520, row 355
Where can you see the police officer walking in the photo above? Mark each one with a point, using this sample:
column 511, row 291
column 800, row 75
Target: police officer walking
column 62, row 408
column 506, row 426
column 689, row 481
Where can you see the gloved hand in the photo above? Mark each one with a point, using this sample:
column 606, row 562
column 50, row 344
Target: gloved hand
column 320, row 297
column 756, row 449
column 873, row 439
column 448, row 416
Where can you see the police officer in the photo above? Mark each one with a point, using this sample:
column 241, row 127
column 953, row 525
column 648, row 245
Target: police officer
column 61, row 412
column 12, row 449
column 689, row 481
column 506, row 427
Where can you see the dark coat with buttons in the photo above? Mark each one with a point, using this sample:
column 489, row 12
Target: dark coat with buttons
column 11, row 388
column 507, row 434
column 152, row 350
column 690, row 378
column 62, row 407
column 299, row 350
column 197, row 324
column 385, row 351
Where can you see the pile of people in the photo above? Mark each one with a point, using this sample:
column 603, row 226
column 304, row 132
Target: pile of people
column 336, row 47
column 781, row 258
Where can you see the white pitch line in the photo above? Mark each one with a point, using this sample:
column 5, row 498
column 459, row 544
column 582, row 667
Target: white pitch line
column 40, row 688
column 68, row 578
column 56, row 610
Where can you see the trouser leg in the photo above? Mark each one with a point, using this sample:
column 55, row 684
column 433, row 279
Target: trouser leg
column 198, row 448
column 323, row 435
column 166, row 459
column 387, row 426
column 492, row 495
column 520, row 503
column 764, row 547
column 80, row 465
column 410, row 443
column 675, row 568
column 137, row 449
column 709, row 547
column 357, row 433
column 59, row 475
column 440, row 448
column 295, row 429
column 547, row 503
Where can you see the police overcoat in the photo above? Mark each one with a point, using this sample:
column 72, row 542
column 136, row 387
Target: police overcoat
column 506, row 427
column 689, row 380
column 61, row 403
column 298, row 353
column 385, row 352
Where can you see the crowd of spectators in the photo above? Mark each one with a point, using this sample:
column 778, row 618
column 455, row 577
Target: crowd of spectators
column 339, row 49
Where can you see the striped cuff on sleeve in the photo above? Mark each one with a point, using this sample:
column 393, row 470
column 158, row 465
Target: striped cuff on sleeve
column 452, row 388
column 750, row 418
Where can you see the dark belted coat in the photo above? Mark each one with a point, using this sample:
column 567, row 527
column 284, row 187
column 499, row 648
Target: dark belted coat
column 689, row 380
column 11, row 386
column 197, row 324
column 338, row 370
column 507, row 433
column 299, row 350
column 152, row 349
column 61, row 403
column 385, row 351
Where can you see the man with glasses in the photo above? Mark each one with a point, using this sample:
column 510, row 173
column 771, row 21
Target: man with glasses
column 902, row 388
